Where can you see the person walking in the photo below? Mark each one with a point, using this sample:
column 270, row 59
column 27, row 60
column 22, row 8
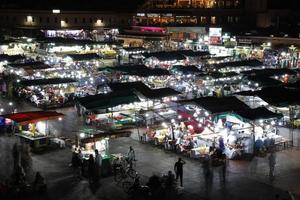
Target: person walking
column 98, row 164
column 130, row 156
column 272, row 163
column 91, row 168
column 178, row 168
column 81, row 163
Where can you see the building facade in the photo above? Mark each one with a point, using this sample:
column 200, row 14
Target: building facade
column 58, row 19
column 200, row 13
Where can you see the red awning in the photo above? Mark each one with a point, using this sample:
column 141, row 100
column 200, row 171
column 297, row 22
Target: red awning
column 30, row 117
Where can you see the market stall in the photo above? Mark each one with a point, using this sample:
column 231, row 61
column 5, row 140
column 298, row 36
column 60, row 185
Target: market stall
column 155, row 77
column 48, row 93
column 32, row 127
column 233, row 127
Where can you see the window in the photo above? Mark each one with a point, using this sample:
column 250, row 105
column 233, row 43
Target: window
column 213, row 19
column 66, row 20
column 228, row 4
column 33, row 19
column 229, row 19
column 221, row 4
column 47, row 20
column 83, row 20
column 203, row 20
column 75, row 20
column 237, row 19
column 55, row 19
column 41, row 19
column 237, row 3
column 91, row 20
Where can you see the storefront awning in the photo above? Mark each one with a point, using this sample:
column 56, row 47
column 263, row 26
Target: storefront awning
column 31, row 65
column 51, row 81
column 11, row 58
column 31, row 117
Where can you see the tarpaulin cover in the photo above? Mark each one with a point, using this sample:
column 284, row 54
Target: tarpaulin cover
column 29, row 117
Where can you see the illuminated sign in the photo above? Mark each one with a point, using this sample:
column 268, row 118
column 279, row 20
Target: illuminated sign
column 215, row 32
column 153, row 15
column 215, row 35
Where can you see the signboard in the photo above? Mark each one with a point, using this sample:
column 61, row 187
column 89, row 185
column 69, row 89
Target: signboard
column 215, row 35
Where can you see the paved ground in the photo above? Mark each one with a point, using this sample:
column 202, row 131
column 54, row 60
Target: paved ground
column 244, row 179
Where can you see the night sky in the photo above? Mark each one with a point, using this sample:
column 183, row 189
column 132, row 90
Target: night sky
column 126, row 5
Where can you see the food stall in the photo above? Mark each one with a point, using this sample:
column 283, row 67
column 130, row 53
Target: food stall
column 32, row 127
column 90, row 140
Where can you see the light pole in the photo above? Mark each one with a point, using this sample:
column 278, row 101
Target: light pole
column 11, row 105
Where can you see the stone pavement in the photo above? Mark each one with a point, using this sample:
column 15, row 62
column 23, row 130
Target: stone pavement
column 244, row 179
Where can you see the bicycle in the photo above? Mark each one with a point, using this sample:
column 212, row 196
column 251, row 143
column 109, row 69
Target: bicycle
column 122, row 172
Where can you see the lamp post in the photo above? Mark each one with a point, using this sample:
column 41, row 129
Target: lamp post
column 11, row 106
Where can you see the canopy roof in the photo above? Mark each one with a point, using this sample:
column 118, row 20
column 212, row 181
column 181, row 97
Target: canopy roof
column 271, row 72
column 137, row 70
column 176, row 55
column 11, row 58
column 144, row 90
column 112, row 99
column 87, row 56
column 191, row 53
column 31, row 65
column 257, row 114
column 217, row 75
column 264, row 81
column 219, row 105
column 51, row 81
column 133, row 49
column 189, row 69
column 243, row 63
column 276, row 96
column 31, row 117
column 165, row 56
column 295, row 85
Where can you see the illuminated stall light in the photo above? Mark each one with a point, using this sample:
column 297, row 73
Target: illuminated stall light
column 29, row 19
column 55, row 11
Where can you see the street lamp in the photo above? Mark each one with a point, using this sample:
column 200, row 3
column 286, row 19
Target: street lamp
column 11, row 105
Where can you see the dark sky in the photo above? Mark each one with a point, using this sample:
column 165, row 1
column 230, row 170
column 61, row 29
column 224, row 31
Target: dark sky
column 126, row 5
column 73, row 4
column 284, row 4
